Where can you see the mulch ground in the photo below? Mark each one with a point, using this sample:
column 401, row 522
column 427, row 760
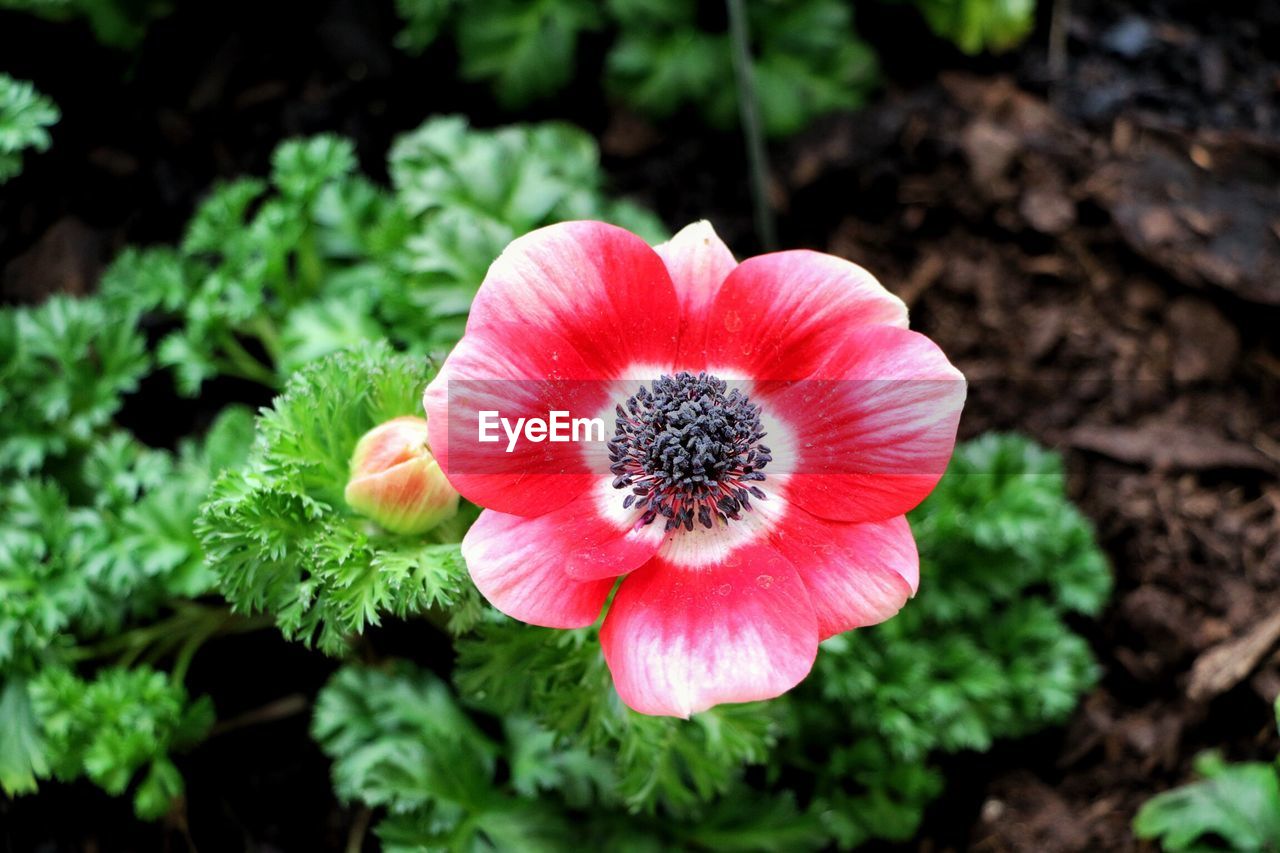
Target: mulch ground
column 1097, row 252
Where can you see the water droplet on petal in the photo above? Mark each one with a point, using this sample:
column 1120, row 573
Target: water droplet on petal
column 764, row 581
column 725, row 589
column 732, row 321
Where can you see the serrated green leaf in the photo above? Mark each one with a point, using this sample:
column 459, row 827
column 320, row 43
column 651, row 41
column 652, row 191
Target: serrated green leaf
column 1238, row 803
column 25, row 116
column 525, row 50
column 22, row 748
column 422, row 22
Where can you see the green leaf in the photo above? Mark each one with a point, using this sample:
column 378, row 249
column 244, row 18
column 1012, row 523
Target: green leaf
column 400, row 740
column 278, row 532
column 657, row 71
column 109, row 727
column 524, row 49
column 747, row 821
column 71, row 363
column 1238, row 803
column 22, row 749
column 808, row 61
column 422, row 22
column 221, row 217
column 25, row 116
column 301, row 168
column 316, row 329
column 660, row 762
column 470, row 192
column 978, row 25
column 159, row 789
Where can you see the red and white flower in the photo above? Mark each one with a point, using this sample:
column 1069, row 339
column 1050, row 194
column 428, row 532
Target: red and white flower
column 774, row 420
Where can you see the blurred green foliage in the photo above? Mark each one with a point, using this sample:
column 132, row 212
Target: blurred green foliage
column 665, row 55
column 660, row 56
column 978, row 25
column 118, row 23
column 1234, row 807
column 25, row 116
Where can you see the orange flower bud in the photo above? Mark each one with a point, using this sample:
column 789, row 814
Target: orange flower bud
column 396, row 481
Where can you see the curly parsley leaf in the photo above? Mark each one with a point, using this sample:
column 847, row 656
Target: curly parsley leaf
column 276, row 273
column 25, row 116
column 525, row 50
column 278, row 532
column 110, row 727
column 67, row 366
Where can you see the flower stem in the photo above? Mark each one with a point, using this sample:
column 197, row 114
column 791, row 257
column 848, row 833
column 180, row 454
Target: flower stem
column 749, row 109
column 239, row 362
column 182, row 634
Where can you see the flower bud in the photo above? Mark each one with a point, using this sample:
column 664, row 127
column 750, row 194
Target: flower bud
column 396, row 481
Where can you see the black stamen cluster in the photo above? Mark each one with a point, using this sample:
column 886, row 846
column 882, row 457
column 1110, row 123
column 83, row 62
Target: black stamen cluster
column 689, row 450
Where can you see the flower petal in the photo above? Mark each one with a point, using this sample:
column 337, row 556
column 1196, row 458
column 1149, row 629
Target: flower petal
column 485, row 374
column 856, row 574
column 875, row 426
column 518, row 565
column 774, row 313
column 698, row 262
column 597, row 288
column 680, row 639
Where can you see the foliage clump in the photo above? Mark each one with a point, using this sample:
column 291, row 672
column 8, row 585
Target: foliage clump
column 99, row 565
column 113, row 726
column 116, row 23
column 317, row 282
column 274, row 274
column 666, row 55
column 25, row 116
column 280, row 536
column 106, row 578
column 984, row 653
column 66, row 366
column 978, row 25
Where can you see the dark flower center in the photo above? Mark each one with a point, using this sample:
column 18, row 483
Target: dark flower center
column 689, row 451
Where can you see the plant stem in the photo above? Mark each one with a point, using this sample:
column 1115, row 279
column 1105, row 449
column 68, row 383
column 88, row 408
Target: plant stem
column 749, row 108
column 1059, row 22
column 280, row 709
column 190, row 626
column 359, row 828
column 243, row 365
column 265, row 329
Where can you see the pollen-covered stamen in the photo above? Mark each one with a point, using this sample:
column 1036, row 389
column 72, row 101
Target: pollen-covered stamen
column 689, row 451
